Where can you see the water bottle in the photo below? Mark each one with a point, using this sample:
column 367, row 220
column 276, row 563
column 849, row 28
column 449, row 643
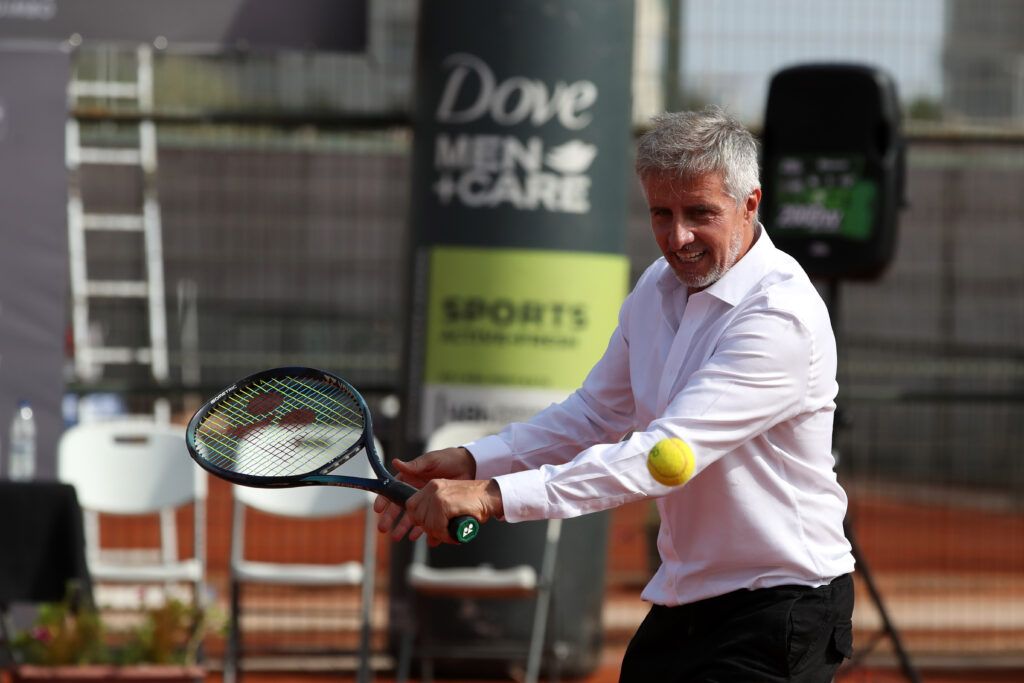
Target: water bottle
column 22, row 452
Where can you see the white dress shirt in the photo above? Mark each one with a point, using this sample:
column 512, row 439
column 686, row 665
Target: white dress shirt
column 745, row 373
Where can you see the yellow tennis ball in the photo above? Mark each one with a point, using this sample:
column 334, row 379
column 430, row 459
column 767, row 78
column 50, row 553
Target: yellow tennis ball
column 671, row 462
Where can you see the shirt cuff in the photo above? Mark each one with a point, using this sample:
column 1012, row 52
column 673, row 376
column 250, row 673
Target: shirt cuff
column 523, row 496
column 522, row 493
column 492, row 456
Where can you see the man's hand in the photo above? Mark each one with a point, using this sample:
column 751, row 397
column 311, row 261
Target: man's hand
column 443, row 499
column 447, row 463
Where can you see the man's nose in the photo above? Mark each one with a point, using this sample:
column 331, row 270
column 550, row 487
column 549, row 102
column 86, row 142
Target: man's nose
column 680, row 236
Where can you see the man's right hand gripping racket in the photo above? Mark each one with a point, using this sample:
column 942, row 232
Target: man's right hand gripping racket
column 290, row 427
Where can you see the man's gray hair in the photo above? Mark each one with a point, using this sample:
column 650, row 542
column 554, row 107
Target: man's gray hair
column 697, row 143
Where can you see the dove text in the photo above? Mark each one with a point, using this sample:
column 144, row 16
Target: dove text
column 472, row 91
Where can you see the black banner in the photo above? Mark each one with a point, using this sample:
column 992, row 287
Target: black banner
column 523, row 124
column 327, row 25
column 521, row 171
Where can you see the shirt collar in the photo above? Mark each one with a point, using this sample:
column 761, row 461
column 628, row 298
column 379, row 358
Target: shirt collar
column 745, row 273
column 738, row 280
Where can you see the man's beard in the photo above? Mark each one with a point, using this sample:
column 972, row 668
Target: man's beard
column 704, row 280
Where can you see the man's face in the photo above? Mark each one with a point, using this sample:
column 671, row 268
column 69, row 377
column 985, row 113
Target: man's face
column 698, row 227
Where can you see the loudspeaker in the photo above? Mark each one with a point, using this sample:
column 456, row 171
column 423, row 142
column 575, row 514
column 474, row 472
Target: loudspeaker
column 833, row 166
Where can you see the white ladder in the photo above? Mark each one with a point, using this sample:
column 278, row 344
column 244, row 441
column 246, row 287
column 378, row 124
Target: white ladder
column 90, row 355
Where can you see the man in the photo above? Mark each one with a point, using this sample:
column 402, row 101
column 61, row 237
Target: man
column 725, row 344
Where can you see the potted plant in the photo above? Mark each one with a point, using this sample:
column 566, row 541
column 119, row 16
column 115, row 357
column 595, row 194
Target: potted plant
column 69, row 640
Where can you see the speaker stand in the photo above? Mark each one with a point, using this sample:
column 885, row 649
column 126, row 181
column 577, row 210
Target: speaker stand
column 863, row 568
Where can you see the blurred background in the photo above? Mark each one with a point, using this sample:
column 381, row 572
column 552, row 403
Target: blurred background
column 282, row 184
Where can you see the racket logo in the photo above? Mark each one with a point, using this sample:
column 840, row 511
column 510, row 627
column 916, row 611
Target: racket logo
column 268, row 410
column 223, row 393
column 467, row 530
column 286, row 408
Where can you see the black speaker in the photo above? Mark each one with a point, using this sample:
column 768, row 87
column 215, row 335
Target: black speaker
column 833, row 166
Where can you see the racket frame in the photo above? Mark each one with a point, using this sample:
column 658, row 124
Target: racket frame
column 461, row 529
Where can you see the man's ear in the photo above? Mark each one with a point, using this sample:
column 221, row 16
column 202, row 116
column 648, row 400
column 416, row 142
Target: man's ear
column 751, row 204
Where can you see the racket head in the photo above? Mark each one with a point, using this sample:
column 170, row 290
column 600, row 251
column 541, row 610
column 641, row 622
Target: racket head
column 277, row 427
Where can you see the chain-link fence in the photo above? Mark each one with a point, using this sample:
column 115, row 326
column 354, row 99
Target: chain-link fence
column 283, row 182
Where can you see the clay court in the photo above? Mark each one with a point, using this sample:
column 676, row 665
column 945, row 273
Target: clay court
column 948, row 564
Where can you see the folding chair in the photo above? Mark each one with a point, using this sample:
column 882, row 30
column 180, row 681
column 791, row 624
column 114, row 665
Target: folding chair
column 304, row 503
column 138, row 468
column 478, row 581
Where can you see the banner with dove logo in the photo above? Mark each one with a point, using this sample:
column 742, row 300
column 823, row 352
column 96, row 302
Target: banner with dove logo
column 521, row 171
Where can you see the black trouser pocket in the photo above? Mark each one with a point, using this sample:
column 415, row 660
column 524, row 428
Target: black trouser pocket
column 820, row 626
column 842, row 642
column 809, row 627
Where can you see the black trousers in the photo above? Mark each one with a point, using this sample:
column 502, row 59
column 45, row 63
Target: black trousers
column 794, row 634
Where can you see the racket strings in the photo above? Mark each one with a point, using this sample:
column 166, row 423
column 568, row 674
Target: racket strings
column 282, row 427
column 286, row 427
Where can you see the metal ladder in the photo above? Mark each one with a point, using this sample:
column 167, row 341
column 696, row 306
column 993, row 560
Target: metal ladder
column 90, row 355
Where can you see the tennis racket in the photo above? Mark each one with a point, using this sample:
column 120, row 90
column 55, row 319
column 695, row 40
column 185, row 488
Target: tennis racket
column 289, row 427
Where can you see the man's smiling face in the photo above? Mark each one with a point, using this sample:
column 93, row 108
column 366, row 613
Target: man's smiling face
column 698, row 227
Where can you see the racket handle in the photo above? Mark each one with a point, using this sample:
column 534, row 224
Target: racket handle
column 463, row 529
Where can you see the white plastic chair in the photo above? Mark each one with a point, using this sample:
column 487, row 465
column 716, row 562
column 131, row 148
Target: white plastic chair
column 305, row 502
column 480, row 581
column 141, row 468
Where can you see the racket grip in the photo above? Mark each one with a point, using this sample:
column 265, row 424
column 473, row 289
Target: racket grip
column 463, row 529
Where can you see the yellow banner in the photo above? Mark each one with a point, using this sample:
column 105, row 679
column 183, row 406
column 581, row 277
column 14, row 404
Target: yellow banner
column 520, row 317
